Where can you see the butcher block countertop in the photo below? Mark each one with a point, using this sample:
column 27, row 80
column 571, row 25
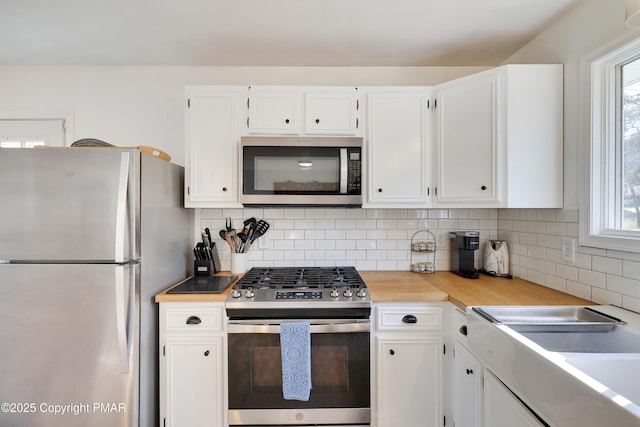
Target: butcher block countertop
column 486, row 290
column 405, row 286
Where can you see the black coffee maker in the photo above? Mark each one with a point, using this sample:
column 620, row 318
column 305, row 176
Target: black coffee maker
column 463, row 245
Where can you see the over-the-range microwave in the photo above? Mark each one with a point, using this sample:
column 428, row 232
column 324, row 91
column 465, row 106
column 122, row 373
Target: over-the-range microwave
column 302, row 171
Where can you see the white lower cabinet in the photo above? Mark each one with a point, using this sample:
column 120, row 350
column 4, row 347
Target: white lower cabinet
column 407, row 365
column 466, row 377
column 502, row 408
column 467, row 383
column 192, row 365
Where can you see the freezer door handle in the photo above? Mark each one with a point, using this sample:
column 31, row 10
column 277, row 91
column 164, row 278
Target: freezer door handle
column 123, row 326
column 121, row 208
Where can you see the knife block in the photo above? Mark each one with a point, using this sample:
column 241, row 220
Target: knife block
column 203, row 267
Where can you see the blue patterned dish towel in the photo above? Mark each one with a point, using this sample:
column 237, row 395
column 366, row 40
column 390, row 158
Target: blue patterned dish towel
column 295, row 343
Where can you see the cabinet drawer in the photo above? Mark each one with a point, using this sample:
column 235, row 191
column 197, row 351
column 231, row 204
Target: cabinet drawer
column 409, row 318
column 196, row 319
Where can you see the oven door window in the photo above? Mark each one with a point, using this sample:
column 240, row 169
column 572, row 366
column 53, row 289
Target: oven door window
column 339, row 372
column 291, row 170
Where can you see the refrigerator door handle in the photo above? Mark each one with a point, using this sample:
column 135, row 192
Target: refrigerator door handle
column 122, row 325
column 121, row 208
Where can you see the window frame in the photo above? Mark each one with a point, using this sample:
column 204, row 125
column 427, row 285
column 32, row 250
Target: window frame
column 599, row 141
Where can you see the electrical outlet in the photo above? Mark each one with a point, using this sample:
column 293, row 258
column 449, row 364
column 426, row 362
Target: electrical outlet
column 568, row 249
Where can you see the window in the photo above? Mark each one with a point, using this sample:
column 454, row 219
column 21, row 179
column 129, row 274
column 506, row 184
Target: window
column 610, row 209
column 28, row 133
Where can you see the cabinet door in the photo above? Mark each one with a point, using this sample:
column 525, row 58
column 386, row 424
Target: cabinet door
column 468, row 142
column 467, row 379
column 212, row 146
column 332, row 112
column 408, row 381
column 274, row 110
column 502, row 408
column 194, row 391
column 399, row 148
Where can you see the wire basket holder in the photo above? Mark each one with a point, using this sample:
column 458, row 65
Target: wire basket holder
column 423, row 252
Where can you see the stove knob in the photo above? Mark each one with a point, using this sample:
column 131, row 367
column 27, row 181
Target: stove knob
column 334, row 292
column 361, row 293
column 249, row 293
column 235, row 293
column 348, row 293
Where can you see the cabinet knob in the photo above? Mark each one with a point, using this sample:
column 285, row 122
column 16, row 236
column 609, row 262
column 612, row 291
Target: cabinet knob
column 206, row 353
column 469, row 371
column 379, row 190
column 287, row 121
column 463, row 330
column 224, row 188
column 392, row 352
column 193, row 320
column 409, row 318
column 484, row 187
column 317, row 120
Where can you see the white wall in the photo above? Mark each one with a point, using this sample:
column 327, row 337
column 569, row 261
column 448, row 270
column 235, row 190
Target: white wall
column 534, row 235
column 130, row 106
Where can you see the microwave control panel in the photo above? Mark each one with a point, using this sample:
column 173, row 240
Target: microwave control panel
column 354, row 171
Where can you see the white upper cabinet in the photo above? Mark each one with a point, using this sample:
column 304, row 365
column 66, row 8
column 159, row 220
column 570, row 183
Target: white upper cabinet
column 213, row 118
column 274, row 110
column 294, row 110
column 499, row 139
column 398, row 145
column 332, row 111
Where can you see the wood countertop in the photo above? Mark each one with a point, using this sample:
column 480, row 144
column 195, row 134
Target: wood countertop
column 405, row 286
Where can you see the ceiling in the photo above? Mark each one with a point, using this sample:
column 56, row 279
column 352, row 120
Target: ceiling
column 270, row 32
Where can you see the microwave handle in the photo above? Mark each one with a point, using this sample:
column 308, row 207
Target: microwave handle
column 344, row 170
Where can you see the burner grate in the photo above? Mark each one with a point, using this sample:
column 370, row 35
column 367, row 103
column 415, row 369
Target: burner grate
column 301, row 278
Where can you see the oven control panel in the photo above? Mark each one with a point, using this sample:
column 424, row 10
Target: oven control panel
column 298, row 295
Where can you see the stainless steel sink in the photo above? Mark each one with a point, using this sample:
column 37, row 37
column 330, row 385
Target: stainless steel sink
column 550, row 318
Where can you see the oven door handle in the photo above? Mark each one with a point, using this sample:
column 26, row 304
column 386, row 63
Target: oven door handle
column 240, row 327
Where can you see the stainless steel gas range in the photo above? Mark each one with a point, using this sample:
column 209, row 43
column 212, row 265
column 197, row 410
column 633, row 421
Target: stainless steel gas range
column 336, row 303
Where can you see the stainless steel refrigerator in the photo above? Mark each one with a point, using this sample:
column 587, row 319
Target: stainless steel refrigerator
column 87, row 237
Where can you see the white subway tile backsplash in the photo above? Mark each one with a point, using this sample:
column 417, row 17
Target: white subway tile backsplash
column 379, row 239
column 607, row 265
column 592, row 278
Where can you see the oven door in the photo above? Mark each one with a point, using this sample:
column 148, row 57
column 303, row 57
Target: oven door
column 340, row 373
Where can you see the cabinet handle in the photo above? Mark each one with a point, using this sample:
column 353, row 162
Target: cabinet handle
column 357, row 123
column 206, row 353
column 357, row 104
column 193, row 320
column 379, row 190
column 435, row 191
column 392, row 352
column 247, row 121
column 427, row 191
column 469, row 371
column 409, row 318
column 286, row 121
column 317, row 120
column 224, row 188
column 463, row 330
column 484, row 187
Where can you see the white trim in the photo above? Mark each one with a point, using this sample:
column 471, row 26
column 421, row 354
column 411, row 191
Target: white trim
column 598, row 72
column 68, row 117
